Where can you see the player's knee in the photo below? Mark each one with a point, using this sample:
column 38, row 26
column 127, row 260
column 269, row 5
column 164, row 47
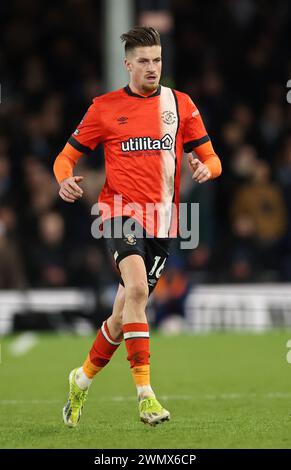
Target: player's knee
column 137, row 291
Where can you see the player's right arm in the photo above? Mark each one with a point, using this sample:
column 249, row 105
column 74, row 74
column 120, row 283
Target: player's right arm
column 85, row 139
column 64, row 164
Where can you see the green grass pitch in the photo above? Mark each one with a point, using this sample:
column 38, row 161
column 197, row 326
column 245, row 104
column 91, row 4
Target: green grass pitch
column 224, row 390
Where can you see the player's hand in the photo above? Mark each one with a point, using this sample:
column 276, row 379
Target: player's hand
column 70, row 191
column 201, row 172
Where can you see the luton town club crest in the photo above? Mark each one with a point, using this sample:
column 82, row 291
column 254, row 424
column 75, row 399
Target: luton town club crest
column 168, row 117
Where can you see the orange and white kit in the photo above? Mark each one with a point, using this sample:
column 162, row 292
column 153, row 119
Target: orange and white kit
column 144, row 140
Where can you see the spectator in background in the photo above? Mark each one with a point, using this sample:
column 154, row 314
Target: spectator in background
column 5, row 178
column 40, row 187
column 170, row 293
column 284, row 171
column 260, row 202
column 48, row 256
column 11, row 264
column 234, row 258
column 284, row 178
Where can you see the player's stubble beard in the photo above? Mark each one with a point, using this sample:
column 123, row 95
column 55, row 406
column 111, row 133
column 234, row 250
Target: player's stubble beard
column 149, row 87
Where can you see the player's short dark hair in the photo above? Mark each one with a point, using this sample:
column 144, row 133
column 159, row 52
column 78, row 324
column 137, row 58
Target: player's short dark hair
column 140, row 36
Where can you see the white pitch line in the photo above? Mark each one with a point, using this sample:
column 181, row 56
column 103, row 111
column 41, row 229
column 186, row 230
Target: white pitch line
column 23, row 343
column 162, row 397
column 120, row 398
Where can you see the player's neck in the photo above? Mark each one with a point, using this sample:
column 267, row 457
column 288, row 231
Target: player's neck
column 137, row 91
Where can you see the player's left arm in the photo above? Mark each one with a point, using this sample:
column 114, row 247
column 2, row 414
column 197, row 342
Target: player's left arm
column 204, row 164
column 207, row 166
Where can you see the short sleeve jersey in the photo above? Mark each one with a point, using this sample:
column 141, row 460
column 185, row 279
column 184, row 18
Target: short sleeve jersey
column 144, row 139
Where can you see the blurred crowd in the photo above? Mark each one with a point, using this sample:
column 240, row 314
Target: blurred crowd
column 232, row 58
column 235, row 63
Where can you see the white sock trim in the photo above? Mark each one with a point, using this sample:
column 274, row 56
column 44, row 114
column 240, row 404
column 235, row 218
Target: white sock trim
column 82, row 380
column 144, row 391
column 107, row 337
column 136, row 334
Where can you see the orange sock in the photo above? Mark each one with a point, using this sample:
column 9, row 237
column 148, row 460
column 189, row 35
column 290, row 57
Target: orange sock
column 141, row 375
column 136, row 336
column 101, row 352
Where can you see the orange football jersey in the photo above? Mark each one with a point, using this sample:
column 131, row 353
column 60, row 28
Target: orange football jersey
column 144, row 139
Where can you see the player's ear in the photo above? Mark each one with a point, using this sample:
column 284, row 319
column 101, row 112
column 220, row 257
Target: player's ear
column 127, row 65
